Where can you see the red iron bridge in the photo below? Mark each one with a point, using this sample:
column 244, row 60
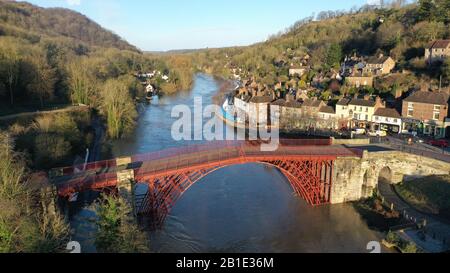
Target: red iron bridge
column 307, row 164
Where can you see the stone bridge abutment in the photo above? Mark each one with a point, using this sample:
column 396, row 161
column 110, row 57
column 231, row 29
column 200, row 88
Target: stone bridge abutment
column 357, row 178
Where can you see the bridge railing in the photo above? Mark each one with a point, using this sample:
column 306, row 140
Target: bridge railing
column 193, row 149
column 443, row 156
column 98, row 165
column 89, row 182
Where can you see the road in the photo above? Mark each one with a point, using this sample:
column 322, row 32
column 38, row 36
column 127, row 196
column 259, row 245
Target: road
column 436, row 228
column 394, row 143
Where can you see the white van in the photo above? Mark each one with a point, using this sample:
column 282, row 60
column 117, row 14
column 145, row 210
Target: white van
column 359, row 131
column 378, row 133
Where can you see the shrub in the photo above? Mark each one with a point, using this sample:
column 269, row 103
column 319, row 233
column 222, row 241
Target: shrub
column 50, row 149
column 118, row 231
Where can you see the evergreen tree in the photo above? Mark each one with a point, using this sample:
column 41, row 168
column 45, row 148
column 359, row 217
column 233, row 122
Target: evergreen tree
column 334, row 56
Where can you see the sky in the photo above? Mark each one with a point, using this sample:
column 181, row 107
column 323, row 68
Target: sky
column 160, row 25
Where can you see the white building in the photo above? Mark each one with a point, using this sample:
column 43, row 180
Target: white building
column 298, row 71
column 327, row 113
column 387, row 119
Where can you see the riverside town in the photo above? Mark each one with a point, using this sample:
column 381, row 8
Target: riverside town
column 234, row 127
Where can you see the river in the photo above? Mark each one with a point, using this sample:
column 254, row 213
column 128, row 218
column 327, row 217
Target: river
column 246, row 208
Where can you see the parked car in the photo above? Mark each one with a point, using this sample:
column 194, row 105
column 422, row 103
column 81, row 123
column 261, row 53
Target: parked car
column 379, row 133
column 359, row 131
column 439, row 143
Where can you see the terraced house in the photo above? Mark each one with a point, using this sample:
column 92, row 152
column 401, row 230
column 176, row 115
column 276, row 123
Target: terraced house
column 358, row 112
column 387, row 119
column 437, row 51
column 381, row 65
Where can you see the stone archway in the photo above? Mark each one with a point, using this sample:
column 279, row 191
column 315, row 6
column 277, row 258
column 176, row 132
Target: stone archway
column 385, row 175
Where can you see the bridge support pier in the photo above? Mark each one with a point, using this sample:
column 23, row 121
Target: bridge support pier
column 125, row 186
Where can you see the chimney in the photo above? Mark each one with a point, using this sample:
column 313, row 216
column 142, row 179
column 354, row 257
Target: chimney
column 398, row 94
column 380, row 102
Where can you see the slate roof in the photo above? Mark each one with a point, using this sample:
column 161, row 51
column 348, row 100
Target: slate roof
column 327, row 109
column 312, row 103
column 364, row 103
column 343, row 102
column 376, row 60
column 261, row 99
column 387, row 112
column 293, row 104
column 279, row 102
column 439, row 44
column 426, row 97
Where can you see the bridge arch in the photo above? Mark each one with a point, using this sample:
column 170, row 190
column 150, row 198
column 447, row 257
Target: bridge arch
column 310, row 180
column 385, row 174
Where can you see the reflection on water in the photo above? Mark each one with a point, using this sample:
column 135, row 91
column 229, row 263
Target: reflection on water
column 245, row 208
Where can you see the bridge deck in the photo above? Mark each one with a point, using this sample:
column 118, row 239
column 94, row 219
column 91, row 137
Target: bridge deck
column 104, row 174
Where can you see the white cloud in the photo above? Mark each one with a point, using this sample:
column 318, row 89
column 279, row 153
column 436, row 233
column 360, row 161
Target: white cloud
column 73, row 2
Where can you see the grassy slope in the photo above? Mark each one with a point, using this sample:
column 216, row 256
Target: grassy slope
column 429, row 194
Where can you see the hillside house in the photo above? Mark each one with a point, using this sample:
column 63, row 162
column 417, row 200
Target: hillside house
column 298, row 71
column 381, row 65
column 437, row 51
column 360, row 80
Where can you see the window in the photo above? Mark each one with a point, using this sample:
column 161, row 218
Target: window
column 377, row 118
column 410, row 113
column 436, row 116
column 437, row 108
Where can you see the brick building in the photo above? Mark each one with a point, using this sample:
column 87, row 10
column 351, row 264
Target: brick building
column 426, row 113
